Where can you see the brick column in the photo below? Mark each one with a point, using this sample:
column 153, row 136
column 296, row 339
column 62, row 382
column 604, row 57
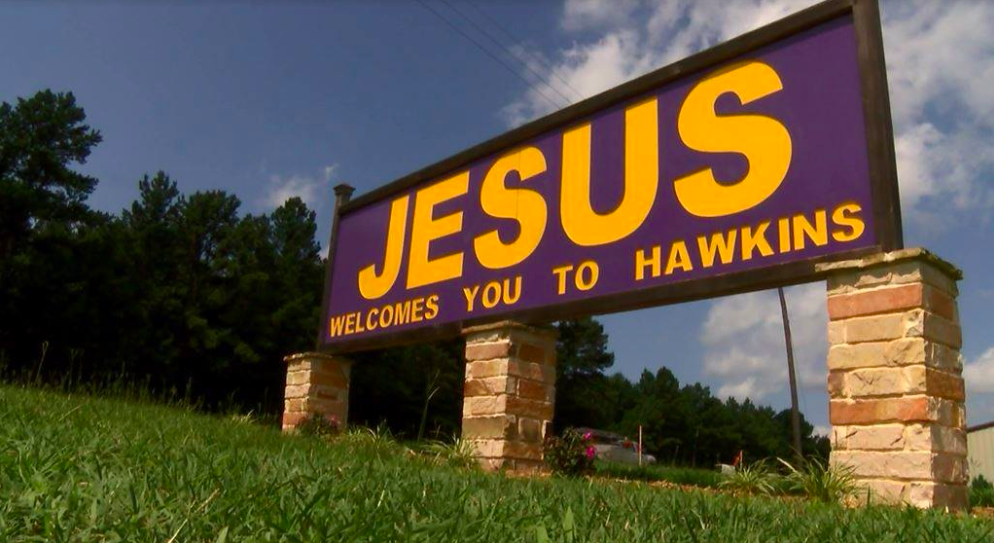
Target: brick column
column 895, row 377
column 316, row 383
column 509, row 395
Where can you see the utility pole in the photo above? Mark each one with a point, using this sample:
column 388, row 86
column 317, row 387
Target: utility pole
column 795, row 414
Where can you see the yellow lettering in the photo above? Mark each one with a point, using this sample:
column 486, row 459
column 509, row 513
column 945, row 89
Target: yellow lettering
column 763, row 140
column 426, row 228
column 720, row 244
column 432, row 304
column 783, row 226
column 491, row 294
column 350, row 324
column 846, row 216
column 337, row 325
column 561, row 275
column 641, row 262
column 371, row 285
column 511, row 299
column 371, row 319
column 591, row 270
column 817, row 233
column 402, row 312
column 679, row 258
column 525, row 206
column 470, row 294
column 358, row 323
column 386, row 312
column 416, row 309
column 582, row 224
column 755, row 240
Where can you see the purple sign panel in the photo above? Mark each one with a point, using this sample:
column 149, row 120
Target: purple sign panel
column 734, row 175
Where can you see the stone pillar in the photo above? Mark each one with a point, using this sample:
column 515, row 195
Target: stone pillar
column 509, row 394
column 316, row 383
column 895, row 377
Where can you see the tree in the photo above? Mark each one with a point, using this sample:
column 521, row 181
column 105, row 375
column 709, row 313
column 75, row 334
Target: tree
column 40, row 139
column 581, row 386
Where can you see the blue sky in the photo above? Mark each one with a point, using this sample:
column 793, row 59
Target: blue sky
column 271, row 99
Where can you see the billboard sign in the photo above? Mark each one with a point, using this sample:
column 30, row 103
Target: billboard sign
column 732, row 170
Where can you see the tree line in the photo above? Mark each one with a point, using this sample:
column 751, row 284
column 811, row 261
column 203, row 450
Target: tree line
column 187, row 296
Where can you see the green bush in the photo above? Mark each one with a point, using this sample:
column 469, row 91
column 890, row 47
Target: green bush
column 819, row 481
column 457, row 453
column 981, row 492
column 570, row 455
column 754, row 478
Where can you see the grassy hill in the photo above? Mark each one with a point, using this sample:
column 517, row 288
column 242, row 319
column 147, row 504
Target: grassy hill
column 75, row 468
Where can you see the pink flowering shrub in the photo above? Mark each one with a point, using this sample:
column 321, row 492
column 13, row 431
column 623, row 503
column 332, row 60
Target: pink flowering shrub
column 571, row 454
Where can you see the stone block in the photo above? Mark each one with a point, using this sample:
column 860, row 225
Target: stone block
column 935, row 438
column 877, row 411
column 329, row 378
column 296, row 391
column 523, row 407
column 531, row 430
column 837, row 384
column 904, row 352
column 941, row 303
column 877, row 437
column 535, row 390
column 872, row 302
column 930, row 494
column 936, row 382
column 868, row 383
column 862, row 355
column 493, row 427
column 533, row 353
column 920, row 323
column 836, row 332
column 881, row 491
column 476, row 406
column 912, row 272
column 507, row 449
column 875, row 328
column 913, row 265
column 297, row 377
column 488, row 351
column 291, row 420
column 489, row 386
column 886, row 465
column 481, row 369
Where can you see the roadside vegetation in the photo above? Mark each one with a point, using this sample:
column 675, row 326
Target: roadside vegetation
column 77, row 468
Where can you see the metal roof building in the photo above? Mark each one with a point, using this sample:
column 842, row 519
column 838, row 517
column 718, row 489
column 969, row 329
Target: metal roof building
column 980, row 443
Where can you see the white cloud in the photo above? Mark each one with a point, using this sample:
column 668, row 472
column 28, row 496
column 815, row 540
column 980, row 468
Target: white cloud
column 940, row 64
column 940, row 61
column 979, row 374
column 744, row 346
column 822, row 430
column 313, row 190
column 580, row 14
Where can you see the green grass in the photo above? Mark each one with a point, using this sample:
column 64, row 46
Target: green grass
column 82, row 469
column 703, row 478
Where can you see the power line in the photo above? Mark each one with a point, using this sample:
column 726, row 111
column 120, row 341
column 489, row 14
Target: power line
column 488, row 52
column 514, row 39
column 507, row 50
